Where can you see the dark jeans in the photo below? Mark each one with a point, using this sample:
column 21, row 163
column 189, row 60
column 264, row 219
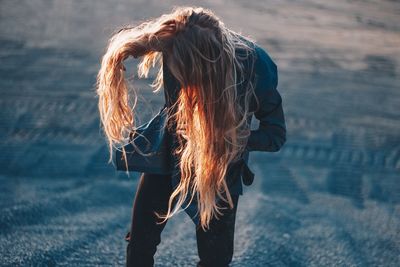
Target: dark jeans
column 214, row 246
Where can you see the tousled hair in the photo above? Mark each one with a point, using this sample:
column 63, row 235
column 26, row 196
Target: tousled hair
column 211, row 126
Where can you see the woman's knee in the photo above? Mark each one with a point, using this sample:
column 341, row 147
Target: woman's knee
column 216, row 244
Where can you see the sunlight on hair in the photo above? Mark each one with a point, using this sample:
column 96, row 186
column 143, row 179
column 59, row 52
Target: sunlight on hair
column 211, row 126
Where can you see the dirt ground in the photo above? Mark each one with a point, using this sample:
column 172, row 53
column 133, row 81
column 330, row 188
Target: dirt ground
column 329, row 197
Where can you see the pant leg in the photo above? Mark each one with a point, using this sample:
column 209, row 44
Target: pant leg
column 152, row 195
column 215, row 245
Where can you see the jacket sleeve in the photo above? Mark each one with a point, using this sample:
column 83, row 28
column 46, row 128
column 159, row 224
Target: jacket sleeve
column 271, row 134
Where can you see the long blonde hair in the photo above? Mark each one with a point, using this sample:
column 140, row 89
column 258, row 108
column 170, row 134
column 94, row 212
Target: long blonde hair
column 211, row 125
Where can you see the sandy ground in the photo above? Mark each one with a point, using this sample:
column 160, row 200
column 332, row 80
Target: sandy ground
column 330, row 197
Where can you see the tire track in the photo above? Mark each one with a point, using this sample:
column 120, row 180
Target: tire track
column 328, row 155
column 76, row 197
column 80, row 239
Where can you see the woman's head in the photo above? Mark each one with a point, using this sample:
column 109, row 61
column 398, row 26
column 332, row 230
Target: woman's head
column 211, row 125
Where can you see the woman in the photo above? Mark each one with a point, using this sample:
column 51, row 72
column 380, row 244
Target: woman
column 214, row 81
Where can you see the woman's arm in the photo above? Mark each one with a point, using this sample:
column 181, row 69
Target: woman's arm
column 271, row 134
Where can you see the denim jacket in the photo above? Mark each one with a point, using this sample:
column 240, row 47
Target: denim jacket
column 271, row 133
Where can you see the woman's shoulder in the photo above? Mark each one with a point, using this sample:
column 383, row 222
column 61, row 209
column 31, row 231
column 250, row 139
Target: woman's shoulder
column 253, row 55
column 265, row 68
column 262, row 71
column 263, row 59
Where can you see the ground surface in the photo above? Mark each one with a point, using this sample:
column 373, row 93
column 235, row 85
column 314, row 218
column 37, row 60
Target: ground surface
column 330, row 197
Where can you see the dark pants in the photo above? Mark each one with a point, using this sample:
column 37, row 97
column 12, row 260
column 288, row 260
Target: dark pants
column 215, row 246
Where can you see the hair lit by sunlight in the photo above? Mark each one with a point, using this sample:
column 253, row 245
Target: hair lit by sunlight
column 211, row 126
